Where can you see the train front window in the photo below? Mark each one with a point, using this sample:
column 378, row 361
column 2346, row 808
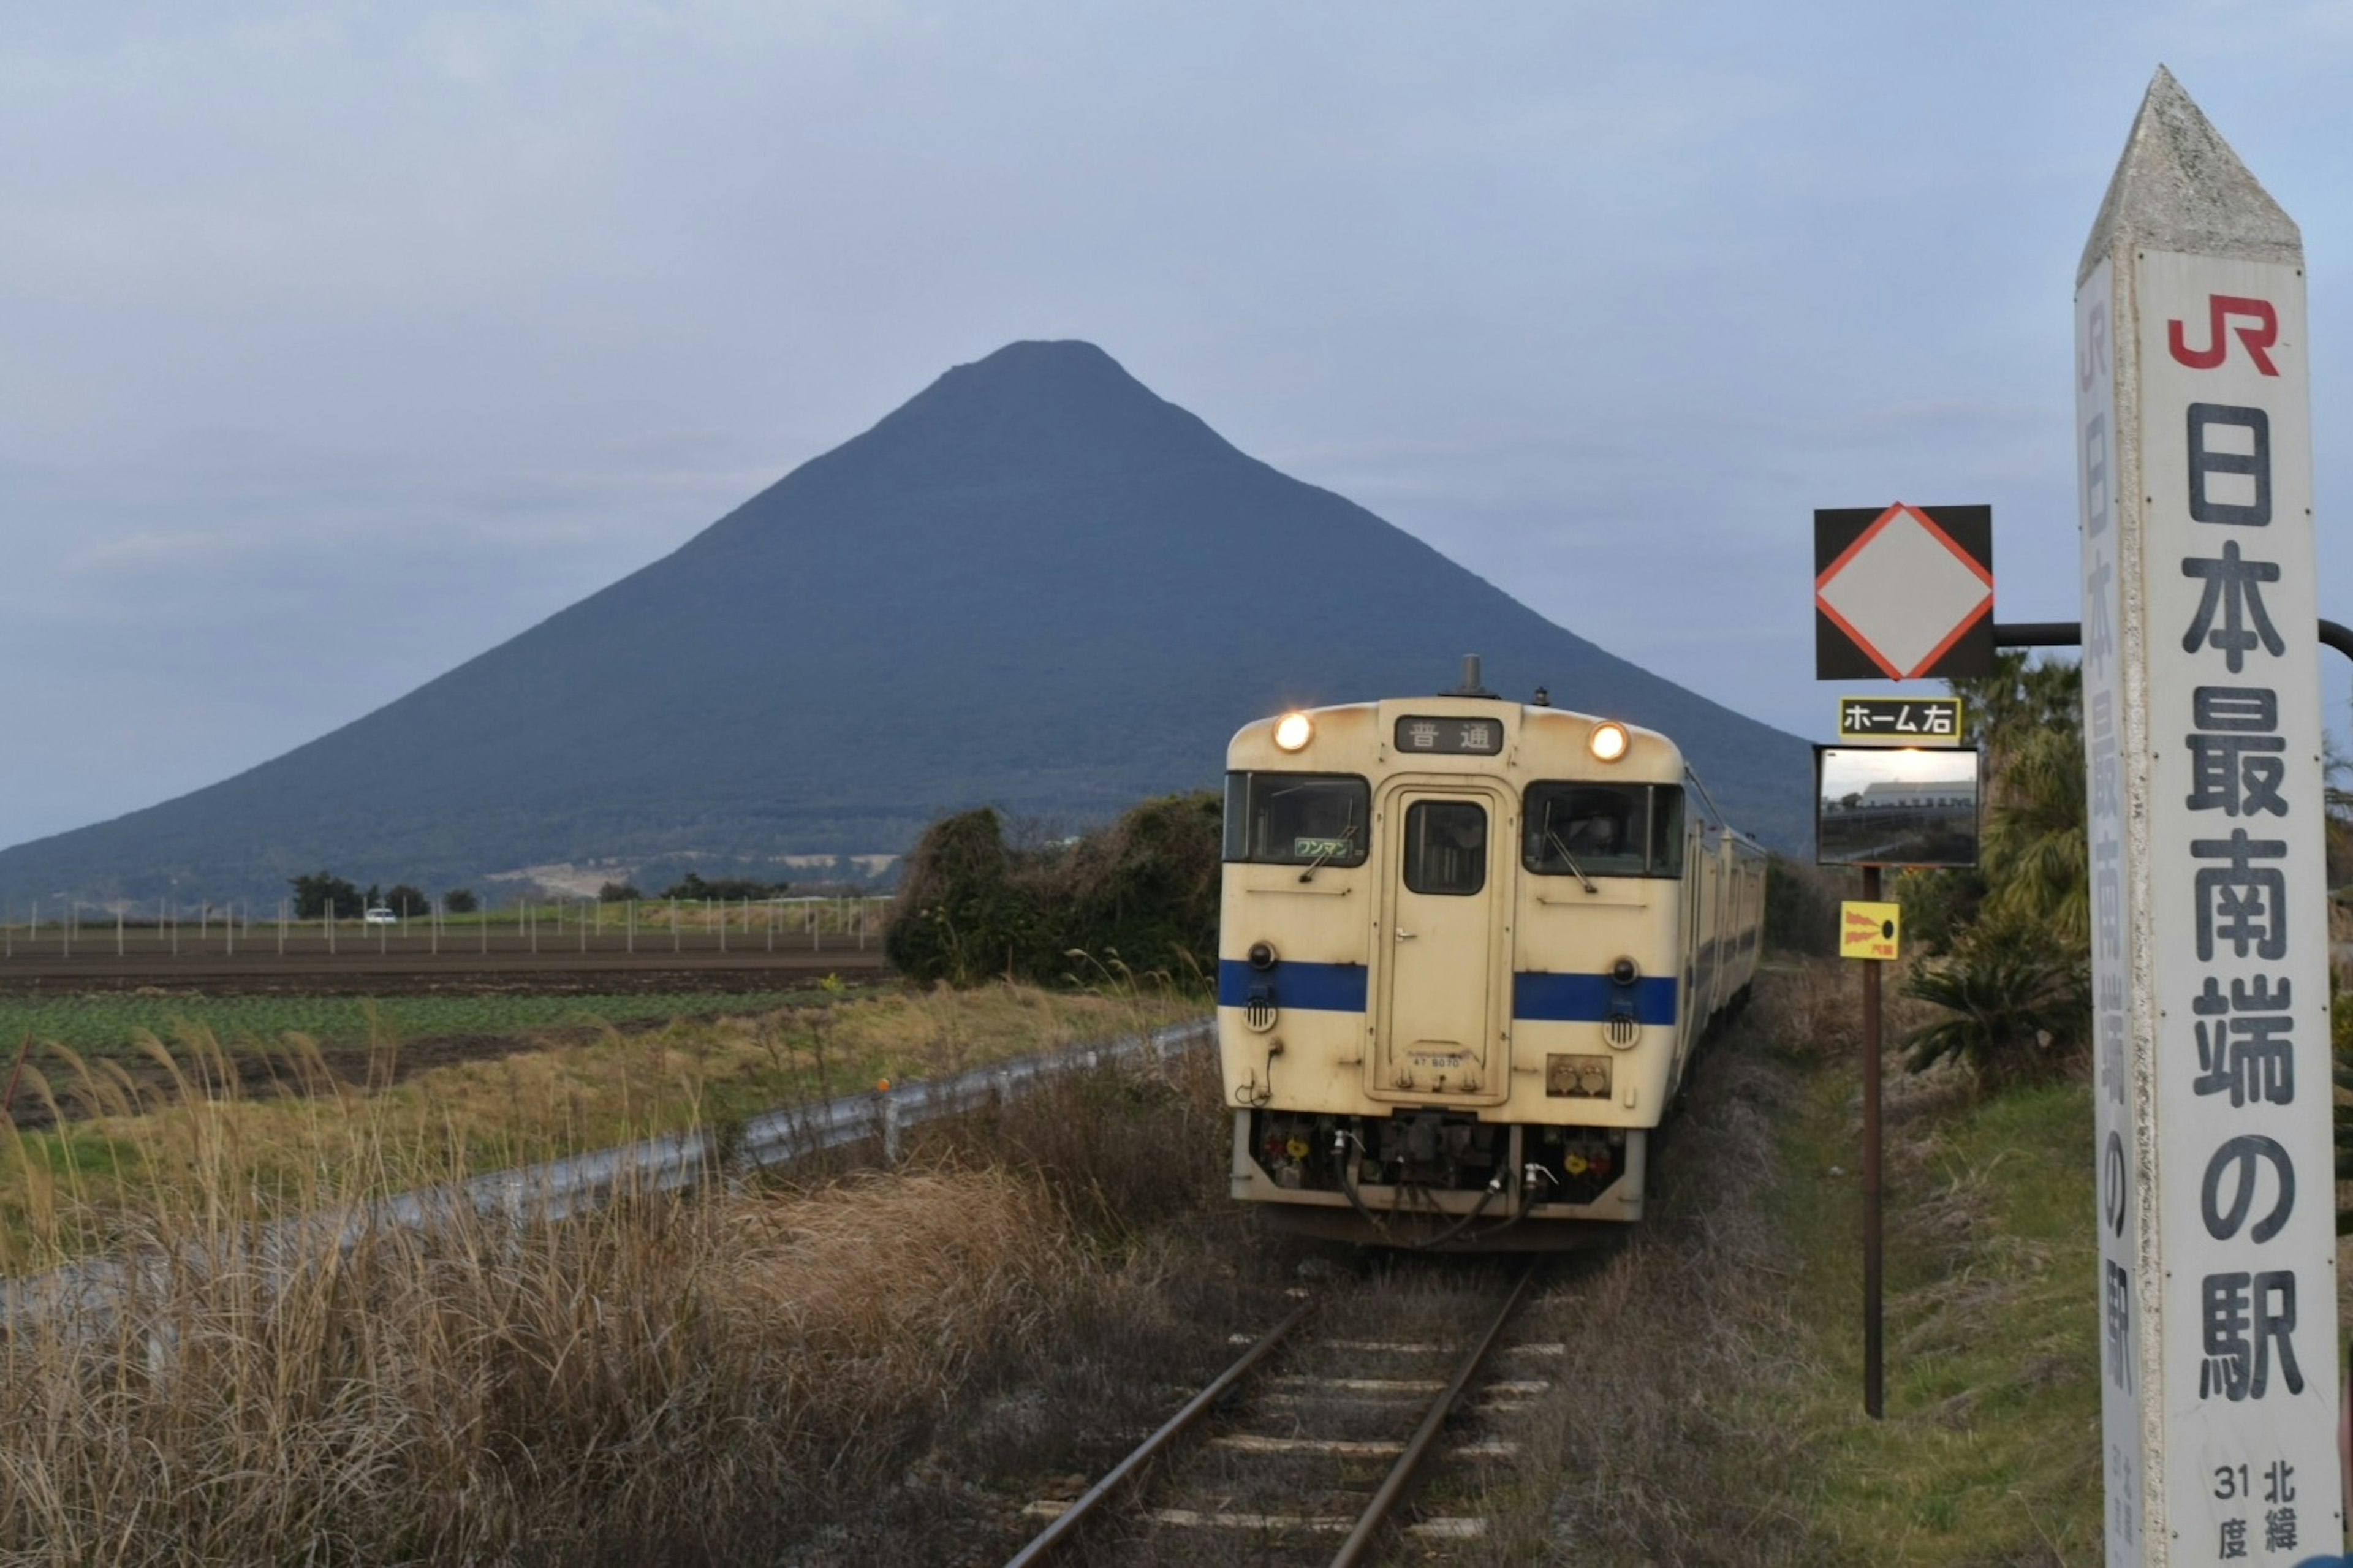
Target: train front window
column 1297, row 819
column 1445, row 846
column 1601, row 830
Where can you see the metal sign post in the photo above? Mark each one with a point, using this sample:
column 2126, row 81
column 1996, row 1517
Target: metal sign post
column 1876, row 805
column 2209, row 938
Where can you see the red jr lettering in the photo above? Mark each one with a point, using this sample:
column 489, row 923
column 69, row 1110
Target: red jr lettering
column 2221, row 309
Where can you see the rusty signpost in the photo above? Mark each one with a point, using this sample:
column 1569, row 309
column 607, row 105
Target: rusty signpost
column 1903, row 593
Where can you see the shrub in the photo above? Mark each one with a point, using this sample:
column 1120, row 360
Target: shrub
column 694, row 887
column 2020, row 1004
column 1143, row 892
column 322, row 893
column 460, row 901
column 619, row 893
column 1801, row 909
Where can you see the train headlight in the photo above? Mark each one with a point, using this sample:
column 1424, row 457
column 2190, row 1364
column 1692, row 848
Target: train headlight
column 1293, row 731
column 1625, row 972
column 1608, row 741
column 1261, row 955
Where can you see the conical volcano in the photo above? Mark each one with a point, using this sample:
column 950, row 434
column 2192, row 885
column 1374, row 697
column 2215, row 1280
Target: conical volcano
column 1037, row 584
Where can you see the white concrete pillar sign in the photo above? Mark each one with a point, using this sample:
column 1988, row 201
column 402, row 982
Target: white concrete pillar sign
column 2210, row 949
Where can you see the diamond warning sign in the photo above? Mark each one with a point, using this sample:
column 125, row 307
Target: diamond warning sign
column 1869, row 929
column 1903, row 593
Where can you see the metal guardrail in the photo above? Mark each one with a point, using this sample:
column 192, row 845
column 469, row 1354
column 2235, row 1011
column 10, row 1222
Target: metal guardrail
column 557, row 1189
column 578, row 1183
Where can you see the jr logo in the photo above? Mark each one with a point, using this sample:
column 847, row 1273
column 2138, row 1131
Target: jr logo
column 2220, row 309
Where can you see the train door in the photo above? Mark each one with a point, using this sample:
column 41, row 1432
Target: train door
column 1445, row 894
column 1695, row 891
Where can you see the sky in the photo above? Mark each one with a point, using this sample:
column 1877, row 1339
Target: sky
column 340, row 343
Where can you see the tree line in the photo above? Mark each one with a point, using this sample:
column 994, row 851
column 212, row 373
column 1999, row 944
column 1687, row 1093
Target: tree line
column 322, row 895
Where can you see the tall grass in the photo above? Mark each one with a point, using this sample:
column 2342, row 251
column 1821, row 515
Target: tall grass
column 655, row 1374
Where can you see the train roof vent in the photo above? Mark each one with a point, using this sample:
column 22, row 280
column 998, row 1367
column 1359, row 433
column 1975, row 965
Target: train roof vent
column 1469, row 686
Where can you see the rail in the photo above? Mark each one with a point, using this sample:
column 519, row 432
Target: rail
column 1399, row 1483
column 1395, row 1486
column 1167, row 1433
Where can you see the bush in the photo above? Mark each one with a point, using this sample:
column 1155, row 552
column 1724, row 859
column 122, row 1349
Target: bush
column 1801, row 909
column 694, row 887
column 2020, row 1004
column 322, row 893
column 619, row 893
column 460, row 901
column 1141, row 894
column 408, row 902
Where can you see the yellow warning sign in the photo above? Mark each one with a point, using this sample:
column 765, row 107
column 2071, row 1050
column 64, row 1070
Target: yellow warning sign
column 1869, row 931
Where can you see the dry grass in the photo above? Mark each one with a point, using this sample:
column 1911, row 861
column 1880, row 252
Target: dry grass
column 647, row 1376
column 120, row 1140
column 677, row 1378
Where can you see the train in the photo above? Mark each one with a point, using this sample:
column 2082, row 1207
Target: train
column 1467, row 949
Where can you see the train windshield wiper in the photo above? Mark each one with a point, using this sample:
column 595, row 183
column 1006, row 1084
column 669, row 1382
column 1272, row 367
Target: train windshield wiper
column 1554, row 839
column 1317, row 864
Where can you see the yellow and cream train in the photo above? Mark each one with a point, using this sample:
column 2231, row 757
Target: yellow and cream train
column 1466, row 950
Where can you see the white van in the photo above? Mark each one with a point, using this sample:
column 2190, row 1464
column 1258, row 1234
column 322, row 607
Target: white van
column 381, row 916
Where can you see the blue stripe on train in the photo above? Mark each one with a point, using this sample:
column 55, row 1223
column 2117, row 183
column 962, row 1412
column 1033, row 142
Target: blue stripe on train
column 1325, row 987
column 1589, row 998
column 1545, row 998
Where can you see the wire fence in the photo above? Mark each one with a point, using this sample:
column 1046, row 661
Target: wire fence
column 69, row 929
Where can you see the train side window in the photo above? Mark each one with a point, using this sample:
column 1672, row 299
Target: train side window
column 1666, row 831
column 1297, row 819
column 1445, row 846
column 1602, row 830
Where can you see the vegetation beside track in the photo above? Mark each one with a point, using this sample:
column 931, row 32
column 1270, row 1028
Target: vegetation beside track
column 813, row 1368
column 114, row 1022
column 335, row 1130
column 1711, row 1409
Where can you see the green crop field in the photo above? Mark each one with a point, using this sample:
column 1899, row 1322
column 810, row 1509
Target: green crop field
column 110, row 1023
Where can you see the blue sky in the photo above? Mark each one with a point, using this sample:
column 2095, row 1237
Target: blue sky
column 344, row 343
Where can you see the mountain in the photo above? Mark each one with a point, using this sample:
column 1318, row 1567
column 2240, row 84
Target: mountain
column 1036, row 584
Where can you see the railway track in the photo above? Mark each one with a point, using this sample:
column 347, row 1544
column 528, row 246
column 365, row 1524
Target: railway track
column 1323, row 1434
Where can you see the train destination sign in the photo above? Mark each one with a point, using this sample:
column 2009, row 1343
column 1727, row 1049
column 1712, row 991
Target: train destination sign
column 1450, row 737
column 1903, row 593
column 2209, row 937
column 1900, row 721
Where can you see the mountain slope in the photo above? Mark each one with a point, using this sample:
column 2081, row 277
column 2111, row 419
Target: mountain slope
column 1036, row 583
